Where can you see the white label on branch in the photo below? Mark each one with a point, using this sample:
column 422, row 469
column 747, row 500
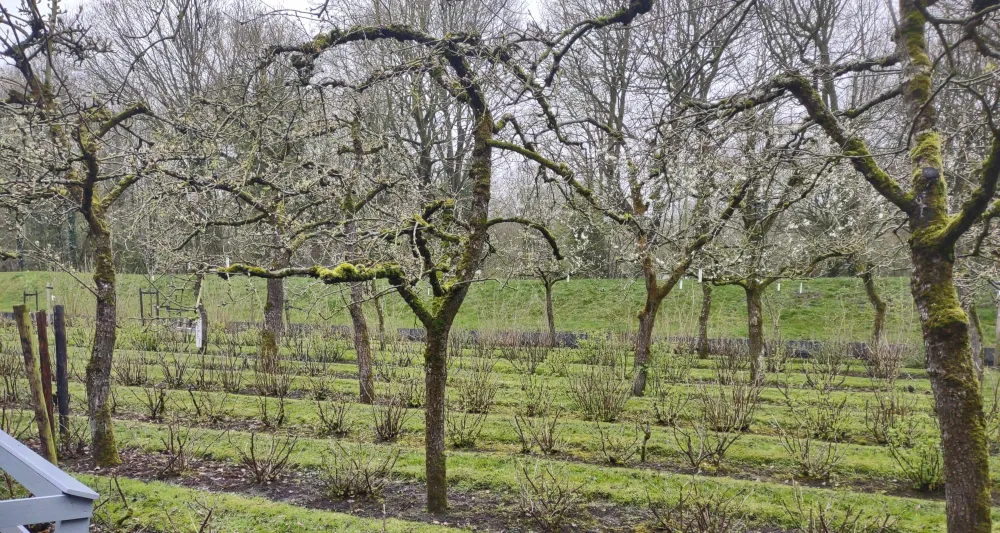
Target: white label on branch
column 197, row 333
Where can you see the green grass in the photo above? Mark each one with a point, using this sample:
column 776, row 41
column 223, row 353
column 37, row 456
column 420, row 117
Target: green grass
column 827, row 308
column 862, row 478
column 622, row 486
column 165, row 507
column 757, row 467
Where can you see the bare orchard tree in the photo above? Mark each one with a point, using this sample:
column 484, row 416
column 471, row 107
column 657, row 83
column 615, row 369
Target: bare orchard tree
column 916, row 185
column 74, row 149
column 525, row 256
column 756, row 252
column 842, row 216
column 640, row 163
column 446, row 246
column 290, row 188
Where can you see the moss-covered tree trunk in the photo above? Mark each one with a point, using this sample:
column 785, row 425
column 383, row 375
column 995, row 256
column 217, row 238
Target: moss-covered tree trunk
column 957, row 397
column 958, row 400
column 362, row 343
column 934, row 232
column 755, row 328
column 435, row 378
column 550, row 315
column 274, row 324
column 703, row 317
column 878, row 304
column 644, row 338
column 274, row 312
column 103, row 448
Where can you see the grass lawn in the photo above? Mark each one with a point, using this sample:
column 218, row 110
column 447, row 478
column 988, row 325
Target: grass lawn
column 826, row 308
column 811, row 442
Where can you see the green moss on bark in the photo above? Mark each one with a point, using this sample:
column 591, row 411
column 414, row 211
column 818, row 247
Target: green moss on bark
column 105, row 447
column 927, row 150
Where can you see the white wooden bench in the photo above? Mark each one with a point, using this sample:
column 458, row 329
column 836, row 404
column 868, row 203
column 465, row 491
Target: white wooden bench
column 56, row 496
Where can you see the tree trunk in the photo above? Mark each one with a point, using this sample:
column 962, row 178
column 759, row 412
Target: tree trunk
column 549, row 314
column 203, row 316
column 436, row 376
column 103, row 448
column 74, row 255
column 377, row 300
column 706, row 313
column 755, row 329
column 362, row 343
column 19, row 246
column 199, row 307
column 957, row 397
column 975, row 336
column 362, row 340
column 644, row 341
column 878, row 325
column 274, row 326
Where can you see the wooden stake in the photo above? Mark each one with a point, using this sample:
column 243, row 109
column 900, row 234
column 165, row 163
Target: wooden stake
column 35, row 383
column 45, row 365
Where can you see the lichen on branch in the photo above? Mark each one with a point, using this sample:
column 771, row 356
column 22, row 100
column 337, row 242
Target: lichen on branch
column 342, row 273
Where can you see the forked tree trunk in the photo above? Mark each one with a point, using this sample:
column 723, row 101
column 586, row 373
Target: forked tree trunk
column 755, row 328
column 706, row 313
column 549, row 313
column 103, row 448
column 274, row 324
column 362, row 344
column 436, row 376
column 878, row 304
column 957, row 395
column 644, row 341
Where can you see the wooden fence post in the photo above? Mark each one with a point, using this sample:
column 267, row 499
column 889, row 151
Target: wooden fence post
column 35, row 383
column 62, row 371
column 45, row 365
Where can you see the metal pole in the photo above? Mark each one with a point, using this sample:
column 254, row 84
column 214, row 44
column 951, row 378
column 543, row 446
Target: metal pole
column 62, row 371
